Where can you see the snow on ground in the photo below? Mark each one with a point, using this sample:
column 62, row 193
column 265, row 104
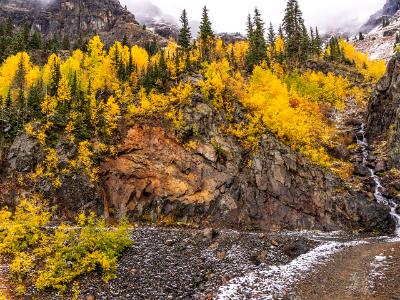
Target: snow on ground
column 378, row 268
column 275, row 281
column 379, row 42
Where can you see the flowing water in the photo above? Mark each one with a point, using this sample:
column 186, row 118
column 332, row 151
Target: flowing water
column 378, row 184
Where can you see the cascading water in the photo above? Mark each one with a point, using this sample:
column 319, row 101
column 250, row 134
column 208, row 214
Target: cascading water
column 378, row 185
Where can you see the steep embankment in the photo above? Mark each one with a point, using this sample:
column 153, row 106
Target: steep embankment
column 156, row 178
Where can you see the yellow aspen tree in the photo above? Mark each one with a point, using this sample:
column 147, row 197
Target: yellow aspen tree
column 64, row 91
column 140, row 58
column 49, row 106
column 111, row 113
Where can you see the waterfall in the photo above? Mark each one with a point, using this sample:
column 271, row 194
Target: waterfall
column 381, row 199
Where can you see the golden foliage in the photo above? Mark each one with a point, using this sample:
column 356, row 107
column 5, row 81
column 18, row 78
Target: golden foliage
column 372, row 69
column 54, row 258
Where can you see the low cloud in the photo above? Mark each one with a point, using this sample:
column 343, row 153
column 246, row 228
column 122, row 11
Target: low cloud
column 230, row 16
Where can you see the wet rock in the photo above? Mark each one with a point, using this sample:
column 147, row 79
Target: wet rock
column 361, row 170
column 355, row 122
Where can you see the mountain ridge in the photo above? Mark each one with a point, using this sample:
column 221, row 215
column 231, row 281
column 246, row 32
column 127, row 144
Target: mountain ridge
column 76, row 19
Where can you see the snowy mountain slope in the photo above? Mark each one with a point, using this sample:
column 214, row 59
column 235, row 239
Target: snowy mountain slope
column 379, row 42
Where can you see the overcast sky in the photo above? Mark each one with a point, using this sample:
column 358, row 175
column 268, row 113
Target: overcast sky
column 230, row 15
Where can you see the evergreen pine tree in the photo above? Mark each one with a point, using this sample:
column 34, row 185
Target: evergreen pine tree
column 8, row 101
column 9, row 27
column 206, row 35
column 55, row 80
column 250, row 28
column 280, row 31
column 25, row 34
column 296, row 35
column 258, row 46
column 18, row 43
column 66, row 45
column 162, row 70
column 35, row 96
column 312, row 39
column 271, row 35
column 305, row 44
column 2, row 109
column 35, row 41
column 20, row 75
column 22, row 108
column 317, row 42
column 271, row 39
column 125, row 41
column 184, row 34
column 74, row 86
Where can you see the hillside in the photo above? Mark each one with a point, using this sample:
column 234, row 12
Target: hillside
column 380, row 32
column 189, row 169
column 75, row 19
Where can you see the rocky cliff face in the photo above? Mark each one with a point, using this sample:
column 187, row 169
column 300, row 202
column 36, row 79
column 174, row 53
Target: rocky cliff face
column 389, row 9
column 75, row 18
column 156, row 178
column 383, row 122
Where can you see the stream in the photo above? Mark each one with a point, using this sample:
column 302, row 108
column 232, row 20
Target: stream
column 379, row 197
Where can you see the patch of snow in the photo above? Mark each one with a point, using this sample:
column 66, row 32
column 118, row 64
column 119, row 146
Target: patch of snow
column 380, row 258
column 274, row 282
column 379, row 42
column 378, row 268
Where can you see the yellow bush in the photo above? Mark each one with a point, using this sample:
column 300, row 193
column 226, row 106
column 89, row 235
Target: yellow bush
column 54, row 258
column 372, row 69
column 289, row 116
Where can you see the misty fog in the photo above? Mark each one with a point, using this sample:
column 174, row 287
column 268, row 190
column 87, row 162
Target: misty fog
column 230, row 16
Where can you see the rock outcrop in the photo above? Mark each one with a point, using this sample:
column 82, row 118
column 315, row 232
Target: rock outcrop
column 157, row 179
column 76, row 18
column 77, row 192
column 388, row 10
column 383, row 121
